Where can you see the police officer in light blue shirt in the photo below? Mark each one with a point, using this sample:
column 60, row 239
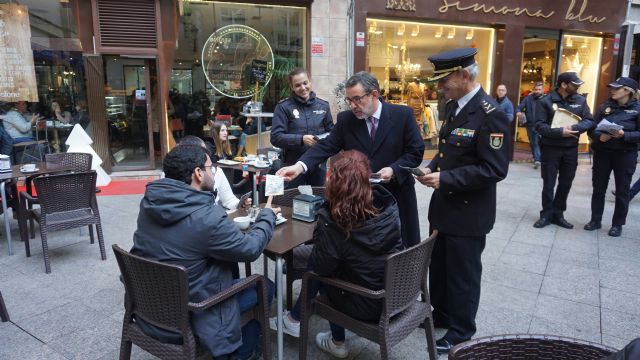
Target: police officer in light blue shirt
column 615, row 149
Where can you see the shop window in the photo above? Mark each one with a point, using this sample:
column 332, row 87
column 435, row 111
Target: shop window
column 284, row 28
column 397, row 52
column 582, row 55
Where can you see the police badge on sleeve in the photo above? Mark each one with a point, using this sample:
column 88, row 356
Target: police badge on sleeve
column 496, row 140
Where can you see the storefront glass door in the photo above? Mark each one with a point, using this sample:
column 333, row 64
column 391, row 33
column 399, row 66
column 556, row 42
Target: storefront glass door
column 130, row 101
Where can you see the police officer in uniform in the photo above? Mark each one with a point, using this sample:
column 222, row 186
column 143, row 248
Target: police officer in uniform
column 615, row 150
column 297, row 121
column 559, row 146
column 473, row 157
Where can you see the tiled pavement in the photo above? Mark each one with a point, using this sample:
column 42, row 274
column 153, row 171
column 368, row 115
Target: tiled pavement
column 554, row 281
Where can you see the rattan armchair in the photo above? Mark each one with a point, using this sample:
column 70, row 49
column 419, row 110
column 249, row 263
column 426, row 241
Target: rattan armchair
column 66, row 201
column 529, row 347
column 405, row 279
column 159, row 293
column 4, row 314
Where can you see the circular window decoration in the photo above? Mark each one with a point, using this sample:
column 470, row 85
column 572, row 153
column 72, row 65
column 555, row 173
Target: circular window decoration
column 237, row 60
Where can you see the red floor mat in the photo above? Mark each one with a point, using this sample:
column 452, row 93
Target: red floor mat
column 118, row 187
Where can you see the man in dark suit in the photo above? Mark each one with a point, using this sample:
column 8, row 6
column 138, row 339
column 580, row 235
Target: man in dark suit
column 473, row 156
column 387, row 134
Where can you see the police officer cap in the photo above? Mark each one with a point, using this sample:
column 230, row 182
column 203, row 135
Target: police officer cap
column 569, row 77
column 447, row 62
column 625, row 82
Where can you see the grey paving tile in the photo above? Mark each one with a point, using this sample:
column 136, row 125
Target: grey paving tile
column 26, row 297
column 527, row 250
column 562, row 270
column 629, row 284
column 532, row 264
column 586, row 290
column 558, row 328
column 495, row 320
column 106, row 301
column 580, row 316
column 18, row 345
column 518, row 279
column 90, row 343
column 574, row 258
column 620, row 301
column 623, row 326
column 620, row 266
column 501, row 296
column 577, row 244
column 526, row 233
column 614, row 342
column 60, row 321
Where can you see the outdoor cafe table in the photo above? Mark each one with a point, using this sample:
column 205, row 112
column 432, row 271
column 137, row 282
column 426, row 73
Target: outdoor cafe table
column 251, row 170
column 15, row 174
column 286, row 236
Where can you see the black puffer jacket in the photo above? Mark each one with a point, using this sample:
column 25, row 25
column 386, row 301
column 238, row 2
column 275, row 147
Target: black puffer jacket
column 360, row 258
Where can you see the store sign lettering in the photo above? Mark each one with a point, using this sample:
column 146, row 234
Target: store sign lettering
column 406, row 5
column 570, row 15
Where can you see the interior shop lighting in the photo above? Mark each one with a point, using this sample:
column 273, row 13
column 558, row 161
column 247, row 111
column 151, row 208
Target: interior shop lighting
column 439, row 32
column 400, row 30
column 452, row 33
column 469, row 34
column 415, row 31
column 569, row 42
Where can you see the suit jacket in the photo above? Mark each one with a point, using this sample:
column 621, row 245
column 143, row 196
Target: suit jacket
column 473, row 157
column 397, row 143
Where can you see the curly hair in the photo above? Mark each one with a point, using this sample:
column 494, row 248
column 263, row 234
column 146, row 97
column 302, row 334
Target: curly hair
column 223, row 148
column 348, row 191
column 182, row 160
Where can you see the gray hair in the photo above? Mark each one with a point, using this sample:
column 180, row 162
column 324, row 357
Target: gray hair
column 368, row 81
column 473, row 70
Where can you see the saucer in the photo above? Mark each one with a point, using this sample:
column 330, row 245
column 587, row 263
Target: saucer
column 6, row 170
column 29, row 171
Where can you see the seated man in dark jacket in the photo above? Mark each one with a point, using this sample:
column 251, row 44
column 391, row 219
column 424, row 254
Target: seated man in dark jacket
column 179, row 223
column 356, row 230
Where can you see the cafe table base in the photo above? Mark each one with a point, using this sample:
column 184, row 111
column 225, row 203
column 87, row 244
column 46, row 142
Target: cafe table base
column 279, row 306
column 7, row 225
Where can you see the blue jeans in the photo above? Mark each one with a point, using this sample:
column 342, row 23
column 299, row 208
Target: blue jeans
column 534, row 141
column 251, row 331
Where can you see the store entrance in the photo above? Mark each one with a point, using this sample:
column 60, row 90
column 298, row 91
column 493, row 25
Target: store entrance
column 131, row 102
column 539, row 63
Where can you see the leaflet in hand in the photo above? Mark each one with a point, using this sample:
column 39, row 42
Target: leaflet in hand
column 563, row 118
column 274, row 185
column 607, row 126
column 321, row 136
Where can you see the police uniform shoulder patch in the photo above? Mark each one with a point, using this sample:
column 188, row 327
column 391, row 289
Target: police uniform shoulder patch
column 607, row 111
column 496, row 140
column 487, row 107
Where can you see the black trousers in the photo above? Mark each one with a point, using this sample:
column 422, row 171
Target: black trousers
column 454, row 283
column 558, row 163
column 623, row 165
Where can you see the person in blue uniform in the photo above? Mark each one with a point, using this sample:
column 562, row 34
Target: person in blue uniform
column 297, row 122
column 526, row 116
column 615, row 151
column 559, row 147
column 473, row 156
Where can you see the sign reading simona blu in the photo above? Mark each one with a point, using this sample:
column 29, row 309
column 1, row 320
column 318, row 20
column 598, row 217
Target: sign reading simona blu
column 237, row 60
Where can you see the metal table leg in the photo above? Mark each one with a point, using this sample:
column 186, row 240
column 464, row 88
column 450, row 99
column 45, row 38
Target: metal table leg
column 7, row 225
column 279, row 302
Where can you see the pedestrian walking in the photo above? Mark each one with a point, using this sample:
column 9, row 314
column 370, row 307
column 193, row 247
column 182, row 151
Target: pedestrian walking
column 559, row 146
column 473, row 157
column 615, row 151
column 526, row 117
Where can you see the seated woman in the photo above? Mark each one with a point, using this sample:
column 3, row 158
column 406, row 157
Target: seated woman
column 219, row 144
column 358, row 227
column 224, row 195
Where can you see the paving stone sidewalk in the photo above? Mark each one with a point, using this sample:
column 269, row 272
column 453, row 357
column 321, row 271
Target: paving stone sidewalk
column 554, row 281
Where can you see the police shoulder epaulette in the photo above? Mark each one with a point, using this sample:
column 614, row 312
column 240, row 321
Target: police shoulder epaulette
column 283, row 100
column 448, row 101
column 487, row 107
column 322, row 100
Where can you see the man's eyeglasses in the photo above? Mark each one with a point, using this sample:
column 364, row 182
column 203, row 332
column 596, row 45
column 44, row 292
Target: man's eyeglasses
column 212, row 167
column 356, row 99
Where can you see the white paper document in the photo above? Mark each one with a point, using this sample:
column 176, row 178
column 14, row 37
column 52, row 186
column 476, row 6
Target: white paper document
column 563, row 118
column 274, row 185
column 607, row 126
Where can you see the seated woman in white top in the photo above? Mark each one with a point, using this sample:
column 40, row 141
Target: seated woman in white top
column 225, row 196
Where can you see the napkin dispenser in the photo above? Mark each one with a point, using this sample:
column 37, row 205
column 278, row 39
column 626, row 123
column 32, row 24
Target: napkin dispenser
column 305, row 207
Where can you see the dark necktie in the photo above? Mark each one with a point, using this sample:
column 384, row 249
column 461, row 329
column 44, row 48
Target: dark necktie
column 454, row 108
column 373, row 127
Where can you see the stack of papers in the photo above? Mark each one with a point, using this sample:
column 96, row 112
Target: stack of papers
column 607, row 126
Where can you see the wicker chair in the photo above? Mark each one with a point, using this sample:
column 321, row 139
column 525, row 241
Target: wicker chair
column 4, row 314
column 76, row 162
column 159, row 293
column 529, row 347
column 66, row 201
column 293, row 274
column 405, row 279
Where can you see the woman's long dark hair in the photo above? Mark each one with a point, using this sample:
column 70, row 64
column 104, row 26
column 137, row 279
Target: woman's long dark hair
column 223, row 148
column 348, row 191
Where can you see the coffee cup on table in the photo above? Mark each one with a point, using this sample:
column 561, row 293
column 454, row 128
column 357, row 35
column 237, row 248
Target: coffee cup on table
column 29, row 167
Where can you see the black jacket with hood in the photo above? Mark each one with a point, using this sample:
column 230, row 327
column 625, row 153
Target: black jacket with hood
column 181, row 225
column 359, row 258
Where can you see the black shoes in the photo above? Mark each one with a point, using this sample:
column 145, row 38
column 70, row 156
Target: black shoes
column 615, row 230
column 542, row 222
column 593, row 225
column 560, row 221
column 443, row 346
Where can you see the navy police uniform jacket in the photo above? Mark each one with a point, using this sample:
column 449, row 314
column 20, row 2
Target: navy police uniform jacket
column 547, row 107
column 293, row 118
column 627, row 115
column 473, row 157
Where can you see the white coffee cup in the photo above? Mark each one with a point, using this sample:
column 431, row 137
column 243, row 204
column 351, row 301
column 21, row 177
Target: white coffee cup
column 29, row 167
column 242, row 222
column 5, row 162
column 260, row 163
